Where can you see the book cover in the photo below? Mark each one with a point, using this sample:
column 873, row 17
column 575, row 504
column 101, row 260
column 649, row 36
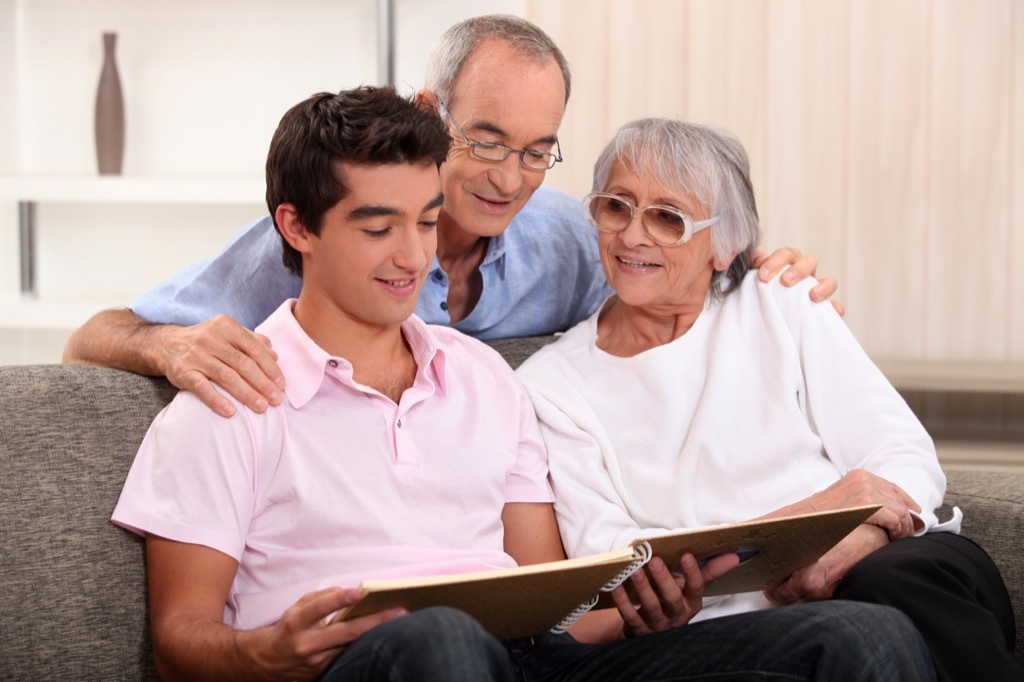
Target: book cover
column 527, row 600
column 769, row 549
column 514, row 602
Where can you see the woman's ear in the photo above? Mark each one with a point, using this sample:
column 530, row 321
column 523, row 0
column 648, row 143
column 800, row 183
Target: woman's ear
column 293, row 231
column 722, row 265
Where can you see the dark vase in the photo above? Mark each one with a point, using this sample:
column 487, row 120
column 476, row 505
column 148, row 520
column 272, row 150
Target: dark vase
column 109, row 112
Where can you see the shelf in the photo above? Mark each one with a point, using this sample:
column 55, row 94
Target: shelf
column 992, row 376
column 133, row 189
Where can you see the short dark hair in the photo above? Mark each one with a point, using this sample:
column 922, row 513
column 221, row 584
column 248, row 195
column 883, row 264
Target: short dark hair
column 366, row 125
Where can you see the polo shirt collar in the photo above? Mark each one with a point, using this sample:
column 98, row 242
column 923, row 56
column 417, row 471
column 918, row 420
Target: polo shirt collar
column 305, row 364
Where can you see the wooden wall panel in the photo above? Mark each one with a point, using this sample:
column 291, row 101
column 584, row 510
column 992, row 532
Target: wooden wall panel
column 1015, row 254
column 967, row 198
column 886, row 138
column 803, row 192
column 885, row 232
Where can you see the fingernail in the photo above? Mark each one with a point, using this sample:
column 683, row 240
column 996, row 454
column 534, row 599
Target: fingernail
column 276, row 397
column 279, row 381
column 763, row 273
column 787, row 276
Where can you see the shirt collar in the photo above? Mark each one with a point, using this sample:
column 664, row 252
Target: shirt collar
column 304, row 363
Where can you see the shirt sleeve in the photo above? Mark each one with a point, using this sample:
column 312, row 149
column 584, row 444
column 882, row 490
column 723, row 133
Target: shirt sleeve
column 592, row 515
column 193, row 479
column 862, row 420
column 528, row 480
column 247, row 281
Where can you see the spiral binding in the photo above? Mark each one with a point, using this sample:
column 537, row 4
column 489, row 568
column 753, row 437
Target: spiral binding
column 643, row 552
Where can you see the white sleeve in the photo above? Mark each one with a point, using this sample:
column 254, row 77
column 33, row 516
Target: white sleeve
column 861, row 419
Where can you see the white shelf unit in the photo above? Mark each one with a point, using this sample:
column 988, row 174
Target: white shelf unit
column 25, row 311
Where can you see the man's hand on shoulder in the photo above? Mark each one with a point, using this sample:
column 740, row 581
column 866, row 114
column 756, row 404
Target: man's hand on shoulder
column 219, row 350
column 192, row 358
column 800, row 267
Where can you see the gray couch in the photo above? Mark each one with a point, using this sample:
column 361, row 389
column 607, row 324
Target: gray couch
column 73, row 602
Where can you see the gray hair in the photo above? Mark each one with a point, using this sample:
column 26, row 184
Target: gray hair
column 452, row 49
column 708, row 163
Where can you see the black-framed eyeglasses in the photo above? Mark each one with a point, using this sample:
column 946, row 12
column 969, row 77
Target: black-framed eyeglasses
column 665, row 225
column 492, row 151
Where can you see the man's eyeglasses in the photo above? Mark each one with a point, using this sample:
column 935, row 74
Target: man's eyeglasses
column 665, row 225
column 492, row 151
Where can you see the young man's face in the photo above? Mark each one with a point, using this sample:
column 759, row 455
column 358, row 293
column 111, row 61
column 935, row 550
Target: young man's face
column 376, row 245
column 499, row 97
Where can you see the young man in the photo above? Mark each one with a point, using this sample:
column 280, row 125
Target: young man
column 403, row 449
column 513, row 259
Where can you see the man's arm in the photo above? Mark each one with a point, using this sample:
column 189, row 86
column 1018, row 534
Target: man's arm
column 191, row 357
column 800, row 267
column 188, row 587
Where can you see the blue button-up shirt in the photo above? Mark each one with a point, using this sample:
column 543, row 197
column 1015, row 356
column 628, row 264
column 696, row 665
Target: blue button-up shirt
column 541, row 275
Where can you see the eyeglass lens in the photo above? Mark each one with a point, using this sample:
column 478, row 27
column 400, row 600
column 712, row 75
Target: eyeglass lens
column 614, row 214
column 491, row 151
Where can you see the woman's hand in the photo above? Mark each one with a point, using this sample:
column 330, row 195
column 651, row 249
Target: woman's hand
column 663, row 600
column 818, row 581
column 860, row 487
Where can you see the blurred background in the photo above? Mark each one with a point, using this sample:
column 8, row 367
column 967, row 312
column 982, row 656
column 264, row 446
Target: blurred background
column 886, row 138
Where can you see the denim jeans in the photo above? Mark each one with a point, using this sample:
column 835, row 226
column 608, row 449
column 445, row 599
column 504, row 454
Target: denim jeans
column 833, row 641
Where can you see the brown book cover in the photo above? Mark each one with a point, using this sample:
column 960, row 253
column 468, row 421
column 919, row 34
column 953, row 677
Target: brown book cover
column 527, row 600
column 770, row 549
column 513, row 602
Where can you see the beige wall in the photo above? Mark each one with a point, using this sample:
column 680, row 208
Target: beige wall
column 886, row 137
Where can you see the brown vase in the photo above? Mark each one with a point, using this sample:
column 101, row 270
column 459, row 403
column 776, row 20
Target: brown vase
column 109, row 112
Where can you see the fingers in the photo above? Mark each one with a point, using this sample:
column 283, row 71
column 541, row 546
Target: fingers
column 825, row 288
column 664, row 600
column 222, row 352
column 770, row 266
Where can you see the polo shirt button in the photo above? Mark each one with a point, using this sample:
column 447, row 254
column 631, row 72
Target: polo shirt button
column 332, row 363
column 444, row 306
column 399, row 423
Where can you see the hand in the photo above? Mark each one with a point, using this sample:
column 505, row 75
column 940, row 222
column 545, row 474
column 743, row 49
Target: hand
column 665, row 600
column 302, row 643
column 861, row 487
column 818, row 581
column 223, row 351
column 800, row 267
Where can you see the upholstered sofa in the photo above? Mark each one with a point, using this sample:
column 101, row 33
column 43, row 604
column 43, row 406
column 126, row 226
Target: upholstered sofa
column 72, row 586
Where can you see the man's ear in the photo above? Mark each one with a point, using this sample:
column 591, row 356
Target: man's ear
column 293, row 231
column 427, row 100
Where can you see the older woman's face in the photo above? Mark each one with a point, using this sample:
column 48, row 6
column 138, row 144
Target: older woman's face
column 647, row 275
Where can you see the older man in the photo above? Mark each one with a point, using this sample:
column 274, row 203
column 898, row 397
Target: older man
column 513, row 259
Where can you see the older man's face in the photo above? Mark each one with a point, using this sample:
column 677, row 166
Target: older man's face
column 498, row 97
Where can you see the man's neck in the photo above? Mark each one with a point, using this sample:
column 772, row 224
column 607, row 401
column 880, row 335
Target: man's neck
column 460, row 254
column 379, row 354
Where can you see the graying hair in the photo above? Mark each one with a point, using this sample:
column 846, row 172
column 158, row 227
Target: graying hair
column 708, row 163
column 452, row 49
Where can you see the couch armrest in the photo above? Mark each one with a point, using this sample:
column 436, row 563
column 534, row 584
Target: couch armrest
column 993, row 507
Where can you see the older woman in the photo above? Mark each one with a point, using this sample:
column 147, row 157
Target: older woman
column 698, row 395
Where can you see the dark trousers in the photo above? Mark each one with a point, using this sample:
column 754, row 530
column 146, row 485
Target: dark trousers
column 952, row 591
column 833, row 641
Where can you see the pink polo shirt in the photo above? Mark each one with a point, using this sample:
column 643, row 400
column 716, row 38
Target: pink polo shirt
column 339, row 484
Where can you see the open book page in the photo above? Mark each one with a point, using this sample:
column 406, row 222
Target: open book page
column 515, row 602
column 769, row 549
